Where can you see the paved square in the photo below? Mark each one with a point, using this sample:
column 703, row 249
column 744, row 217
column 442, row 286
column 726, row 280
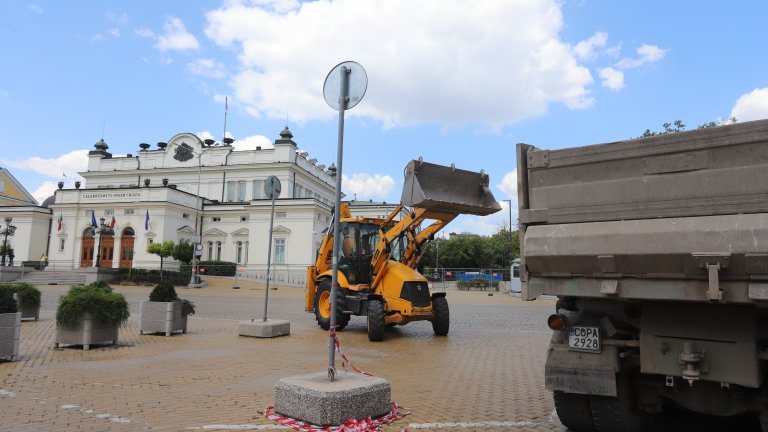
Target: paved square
column 487, row 374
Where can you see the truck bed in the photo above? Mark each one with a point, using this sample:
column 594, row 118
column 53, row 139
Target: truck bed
column 682, row 216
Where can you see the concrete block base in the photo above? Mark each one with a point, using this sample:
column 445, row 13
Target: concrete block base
column 264, row 329
column 314, row 399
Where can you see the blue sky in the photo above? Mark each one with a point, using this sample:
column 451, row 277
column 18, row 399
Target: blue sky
column 452, row 81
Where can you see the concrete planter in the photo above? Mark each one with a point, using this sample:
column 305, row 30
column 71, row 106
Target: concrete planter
column 26, row 310
column 162, row 317
column 88, row 332
column 10, row 329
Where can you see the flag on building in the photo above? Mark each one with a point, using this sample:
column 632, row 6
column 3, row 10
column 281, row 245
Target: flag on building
column 61, row 219
column 93, row 219
column 146, row 221
column 112, row 224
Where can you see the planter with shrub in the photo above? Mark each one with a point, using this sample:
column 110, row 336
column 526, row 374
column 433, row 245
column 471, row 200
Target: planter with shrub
column 10, row 326
column 27, row 298
column 165, row 312
column 89, row 315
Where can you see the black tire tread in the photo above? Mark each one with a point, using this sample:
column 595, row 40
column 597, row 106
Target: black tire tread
column 375, row 321
column 442, row 320
column 574, row 411
column 342, row 319
column 617, row 414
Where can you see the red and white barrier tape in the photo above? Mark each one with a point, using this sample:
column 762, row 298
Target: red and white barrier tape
column 343, row 356
column 396, row 412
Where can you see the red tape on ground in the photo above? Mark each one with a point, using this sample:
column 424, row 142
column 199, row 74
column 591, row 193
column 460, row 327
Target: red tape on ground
column 396, row 412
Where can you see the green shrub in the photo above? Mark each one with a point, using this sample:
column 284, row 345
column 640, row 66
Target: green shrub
column 29, row 295
column 7, row 303
column 97, row 299
column 164, row 292
column 218, row 268
column 152, row 277
column 473, row 283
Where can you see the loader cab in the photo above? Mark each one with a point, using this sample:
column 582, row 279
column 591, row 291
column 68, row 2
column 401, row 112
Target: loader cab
column 358, row 241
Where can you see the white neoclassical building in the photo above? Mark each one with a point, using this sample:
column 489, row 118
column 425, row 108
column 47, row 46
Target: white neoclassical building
column 153, row 197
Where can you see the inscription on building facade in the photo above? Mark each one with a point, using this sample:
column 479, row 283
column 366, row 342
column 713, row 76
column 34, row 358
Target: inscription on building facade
column 111, row 195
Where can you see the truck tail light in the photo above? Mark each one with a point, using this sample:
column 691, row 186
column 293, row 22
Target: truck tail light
column 557, row 321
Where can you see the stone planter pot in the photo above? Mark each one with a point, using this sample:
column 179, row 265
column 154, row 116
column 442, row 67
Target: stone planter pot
column 10, row 329
column 88, row 332
column 26, row 310
column 162, row 317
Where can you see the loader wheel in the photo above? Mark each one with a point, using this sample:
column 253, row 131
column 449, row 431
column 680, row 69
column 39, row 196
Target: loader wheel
column 441, row 320
column 620, row 413
column 323, row 307
column 574, row 411
column 375, row 321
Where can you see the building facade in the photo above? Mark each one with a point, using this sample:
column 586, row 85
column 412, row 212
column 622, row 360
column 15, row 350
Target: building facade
column 30, row 223
column 190, row 189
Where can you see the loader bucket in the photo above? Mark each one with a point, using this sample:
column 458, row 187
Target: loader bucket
column 447, row 189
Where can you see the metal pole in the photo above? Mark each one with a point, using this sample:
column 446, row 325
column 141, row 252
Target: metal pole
column 269, row 254
column 195, row 279
column 343, row 100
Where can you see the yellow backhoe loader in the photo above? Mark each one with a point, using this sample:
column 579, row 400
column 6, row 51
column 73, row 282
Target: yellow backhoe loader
column 378, row 257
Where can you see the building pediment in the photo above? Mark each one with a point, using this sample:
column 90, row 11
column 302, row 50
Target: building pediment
column 241, row 232
column 186, row 229
column 215, row 232
column 281, row 230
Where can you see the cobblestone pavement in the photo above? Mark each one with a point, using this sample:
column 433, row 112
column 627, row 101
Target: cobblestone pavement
column 487, row 374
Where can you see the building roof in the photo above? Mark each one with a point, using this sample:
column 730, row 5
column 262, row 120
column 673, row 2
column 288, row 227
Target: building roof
column 12, row 193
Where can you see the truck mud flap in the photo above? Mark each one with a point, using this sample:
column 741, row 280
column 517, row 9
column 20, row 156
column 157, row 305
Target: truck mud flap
column 445, row 189
column 583, row 373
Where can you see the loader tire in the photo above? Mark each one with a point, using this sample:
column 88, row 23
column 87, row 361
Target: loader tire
column 323, row 307
column 574, row 411
column 441, row 320
column 620, row 413
column 375, row 321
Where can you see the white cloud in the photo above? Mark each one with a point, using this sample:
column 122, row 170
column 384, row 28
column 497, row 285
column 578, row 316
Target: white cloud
column 44, row 191
column 144, row 32
column 508, row 185
column 176, row 37
column 367, row 186
column 645, row 54
column 114, row 32
column 586, row 49
column 35, row 8
column 611, row 78
column 454, row 62
column 751, row 106
column 251, row 142
column 207, row 68
column 70, row 164
column 121, row 19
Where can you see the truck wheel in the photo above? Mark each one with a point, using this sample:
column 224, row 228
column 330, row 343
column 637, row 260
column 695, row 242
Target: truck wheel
column 574, row 411
column 441, row 319
column 620, row 413
column 375, row 321
column 323, row 307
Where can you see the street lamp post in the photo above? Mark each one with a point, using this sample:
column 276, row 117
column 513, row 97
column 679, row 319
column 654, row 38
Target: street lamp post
column 102, row 228
column 8, row 231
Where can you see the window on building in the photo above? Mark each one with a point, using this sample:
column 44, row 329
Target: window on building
column 185, row 215
column 230, row 191
column 241, row 190
column 256, row 193
column 243, row 218
column 245, row 261
column 279, row 251
column 215, row 219
column 210, row 250
column 239, row 252
column 109, row 212
column 218, row 251
column 128, row 212
column 62, row 241
column 280, row 214
column 150, row 241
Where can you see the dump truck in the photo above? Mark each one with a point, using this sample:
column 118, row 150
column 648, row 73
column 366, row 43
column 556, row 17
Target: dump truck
column 378, row 257
column 657, row 252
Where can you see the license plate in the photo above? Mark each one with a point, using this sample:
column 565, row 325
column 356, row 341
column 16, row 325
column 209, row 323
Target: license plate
column 584, row 339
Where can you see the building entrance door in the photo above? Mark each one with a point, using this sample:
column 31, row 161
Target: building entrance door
column 126, row 248
column 87, row 249
column 107, row 251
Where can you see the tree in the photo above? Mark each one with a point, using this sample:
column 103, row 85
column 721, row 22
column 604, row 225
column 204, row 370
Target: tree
column 678, row 126
column 183, row 251
column 163, row 250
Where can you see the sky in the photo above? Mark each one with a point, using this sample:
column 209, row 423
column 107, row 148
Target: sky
column 452, row 81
